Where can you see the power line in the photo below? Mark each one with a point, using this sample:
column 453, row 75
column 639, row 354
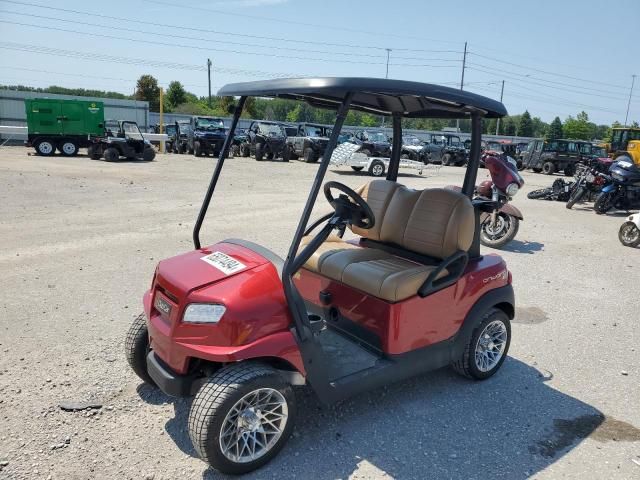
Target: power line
column 218, row 32
column 546, row 71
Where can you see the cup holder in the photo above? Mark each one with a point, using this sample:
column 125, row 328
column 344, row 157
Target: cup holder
column 317, row 323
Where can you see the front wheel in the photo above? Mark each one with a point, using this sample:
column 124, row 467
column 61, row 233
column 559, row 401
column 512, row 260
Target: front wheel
column 136, row 348
column 309, row 155
column 111, row 154
column 377, row 168
column 241, row 417
column 499, row 234
column 629, row 234
column 148, row 154
column 604, row 202
column 576, row 196
column 446, row 159
column 487, row 348
column 548, row 168
column 45, row 147
column 68, row 148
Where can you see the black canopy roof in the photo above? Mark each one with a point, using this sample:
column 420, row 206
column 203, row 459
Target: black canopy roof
column 374, row 95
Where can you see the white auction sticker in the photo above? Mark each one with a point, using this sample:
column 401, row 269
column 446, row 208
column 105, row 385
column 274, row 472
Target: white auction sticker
column 224, row 262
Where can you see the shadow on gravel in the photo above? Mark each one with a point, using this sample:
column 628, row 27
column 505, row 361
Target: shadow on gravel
column 517, row 246
column 363, row 173
column 433, row 426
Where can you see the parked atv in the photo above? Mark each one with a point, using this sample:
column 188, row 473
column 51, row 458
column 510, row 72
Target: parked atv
column 373, row 144
column 205, row 136
column 240, row 146
column 414, row 148
column 309, row 142
column 122, row 139
column 267, row 140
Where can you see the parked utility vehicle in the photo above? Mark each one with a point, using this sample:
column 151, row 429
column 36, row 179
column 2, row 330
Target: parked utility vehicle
column 236, row 325
column 205, row 135
column 550, row 156
column 309, row 142
column 266, row 140
column 122, row 139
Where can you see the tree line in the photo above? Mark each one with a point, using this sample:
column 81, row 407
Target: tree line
column 178, row 100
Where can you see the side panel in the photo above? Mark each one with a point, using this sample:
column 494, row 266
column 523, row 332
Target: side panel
column 43, row 117
column 73, row 117
column 415, row 322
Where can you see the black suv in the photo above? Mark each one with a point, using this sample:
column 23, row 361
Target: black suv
column 205, row 136
column 266, row 139
column 550, row 156
column 309, row 142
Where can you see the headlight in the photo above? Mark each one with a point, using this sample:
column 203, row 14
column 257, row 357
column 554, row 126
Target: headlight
column 203, row 313
column 512, row 189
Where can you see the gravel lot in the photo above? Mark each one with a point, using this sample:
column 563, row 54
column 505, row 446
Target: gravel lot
column 80, row 240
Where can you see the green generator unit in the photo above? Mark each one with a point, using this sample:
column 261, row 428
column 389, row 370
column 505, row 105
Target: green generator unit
column 65, row 125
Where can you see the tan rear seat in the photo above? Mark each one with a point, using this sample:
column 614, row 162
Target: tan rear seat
column 435, row 223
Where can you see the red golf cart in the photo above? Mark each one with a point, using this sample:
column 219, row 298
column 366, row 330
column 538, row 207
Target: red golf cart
column 237, row 326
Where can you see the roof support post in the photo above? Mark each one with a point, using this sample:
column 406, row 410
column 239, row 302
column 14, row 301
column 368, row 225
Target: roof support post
column 396, row 148
column 469, row 184
column 216, row 173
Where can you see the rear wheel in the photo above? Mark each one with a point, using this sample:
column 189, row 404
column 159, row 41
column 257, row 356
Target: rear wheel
column 309, row 155
column 111, row 154
column 148, row 154
column 405, row 156
column 68, row 148
column 377, row 168
column 286, row 153
column 244, row 150
column 548, row 168
column 540, row 193
column 235, row 150
column 259, row 152
column 629, row 234
column 197, row 149
column 136, row 348
column 487, row 348
column 241, row 417
column 45, row 147
column 446, row 159
column 93, row 152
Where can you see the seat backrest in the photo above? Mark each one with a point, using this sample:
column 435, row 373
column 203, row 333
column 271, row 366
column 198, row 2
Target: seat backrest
column 434, row 222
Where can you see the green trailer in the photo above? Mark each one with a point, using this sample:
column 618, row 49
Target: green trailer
column 66, row 125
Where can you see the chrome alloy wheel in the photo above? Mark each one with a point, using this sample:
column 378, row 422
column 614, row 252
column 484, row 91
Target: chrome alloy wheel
column 253, row 425
column 490, row 346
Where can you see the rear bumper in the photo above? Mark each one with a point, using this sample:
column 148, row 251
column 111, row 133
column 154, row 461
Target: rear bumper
column 170, row 382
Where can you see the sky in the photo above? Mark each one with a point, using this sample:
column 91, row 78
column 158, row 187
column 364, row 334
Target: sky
column 556, row 58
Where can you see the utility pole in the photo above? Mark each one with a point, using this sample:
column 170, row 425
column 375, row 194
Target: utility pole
column 209, row 75
column 386, row 75
column 626, row 117
column 464, row 62
column 498, row 122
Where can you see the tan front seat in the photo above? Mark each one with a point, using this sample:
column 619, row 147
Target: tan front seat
column 435, row 223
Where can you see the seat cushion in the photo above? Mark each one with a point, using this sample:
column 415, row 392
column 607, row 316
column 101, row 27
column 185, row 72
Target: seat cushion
column 391, row 278
column 331, row 246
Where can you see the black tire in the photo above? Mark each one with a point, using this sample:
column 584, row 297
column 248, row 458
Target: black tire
column 576, row 195
column 512, row 230
column 405, row 156
column 377, row 168
column 357, row 169
column 604, row 202
column 45, row 147
column 540, row 193
column 234, row 151
column 148, row 154
column 136, row 348
column 216, row 398
column 286, row 153
column 270, row 156
column 520, row 166
column 111, row 154
column 548, row 168
column 68, row 148
column 569, row 170
column 466, row 365
column 93, row 152
column 259, row 152
column 197, row 149
column 245, row 151
column 446, row 159
column 309, row 155
column 629, row 235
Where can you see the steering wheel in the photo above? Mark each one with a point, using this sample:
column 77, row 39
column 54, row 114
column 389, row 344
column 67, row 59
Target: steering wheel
column 349, row 206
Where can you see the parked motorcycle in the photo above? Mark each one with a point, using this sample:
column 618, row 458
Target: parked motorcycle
column 499, row 225
column 588, row 183
column 629, row 234
column 623, row 192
